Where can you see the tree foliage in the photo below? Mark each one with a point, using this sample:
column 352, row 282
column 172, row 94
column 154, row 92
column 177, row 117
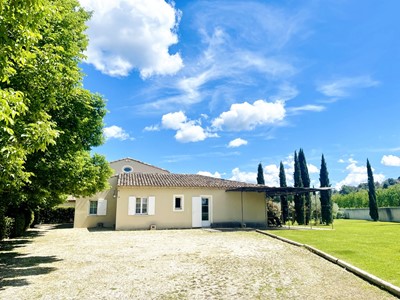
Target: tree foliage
column 305, row 178
column 385, row 197
column 48, row 121
column 283, row 198
column 325, row 196
column 260, row 175
column 298, row 198
column 373, row 206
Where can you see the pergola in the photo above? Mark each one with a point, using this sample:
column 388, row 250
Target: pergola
column 275, row 191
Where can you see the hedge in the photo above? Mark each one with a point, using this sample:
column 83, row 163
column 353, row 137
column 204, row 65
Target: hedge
column 55, row 215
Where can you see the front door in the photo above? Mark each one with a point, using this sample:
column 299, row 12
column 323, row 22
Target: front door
column 205, row 212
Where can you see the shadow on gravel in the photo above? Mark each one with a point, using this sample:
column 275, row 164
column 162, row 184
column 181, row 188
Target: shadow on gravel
column 14, row 266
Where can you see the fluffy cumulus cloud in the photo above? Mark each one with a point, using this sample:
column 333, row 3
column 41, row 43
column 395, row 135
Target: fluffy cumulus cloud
column 186, row 130
column 271, row 175
column 246, row 116
column 132, row 34
column 206, row 173
column 250, row 177
column 391, row 161
column 115, row 132
column 237, row 143
column 357, row 174
column 312, row 169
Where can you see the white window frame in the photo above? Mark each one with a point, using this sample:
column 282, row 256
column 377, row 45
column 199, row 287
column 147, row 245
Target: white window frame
column 101, row 207
column 180, row 209
column 127, row 166
column 132, row 205
column 90, row 207
column 210, row 207
column 143, row 202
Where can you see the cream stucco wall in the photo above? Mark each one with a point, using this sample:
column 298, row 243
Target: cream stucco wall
column 225, row 207
column 82, row 218
column 137, row 166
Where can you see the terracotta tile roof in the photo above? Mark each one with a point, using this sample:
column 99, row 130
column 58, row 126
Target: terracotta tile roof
column 177, row 180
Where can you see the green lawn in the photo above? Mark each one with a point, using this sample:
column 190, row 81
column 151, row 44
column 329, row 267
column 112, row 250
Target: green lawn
column 371, row 246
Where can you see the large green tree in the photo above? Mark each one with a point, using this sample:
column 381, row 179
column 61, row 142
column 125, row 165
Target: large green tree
column 373, row 206
column 260, row 175
column 325, row 196
column 298, row 198
column 49, row 122
column 284, row 200
column 305, row 178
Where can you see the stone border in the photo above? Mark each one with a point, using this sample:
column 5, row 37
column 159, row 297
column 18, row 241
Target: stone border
column 394, row 290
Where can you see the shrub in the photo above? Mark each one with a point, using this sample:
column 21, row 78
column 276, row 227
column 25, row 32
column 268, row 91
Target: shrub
column 6, row 227
column 19, row 225
column 55, row 215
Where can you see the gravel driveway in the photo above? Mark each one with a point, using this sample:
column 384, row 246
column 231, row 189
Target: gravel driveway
column 169, row 264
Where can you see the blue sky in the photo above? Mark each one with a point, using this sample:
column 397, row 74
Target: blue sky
column 216, row 87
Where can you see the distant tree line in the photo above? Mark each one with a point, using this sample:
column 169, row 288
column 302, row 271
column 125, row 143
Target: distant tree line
column 387, row 195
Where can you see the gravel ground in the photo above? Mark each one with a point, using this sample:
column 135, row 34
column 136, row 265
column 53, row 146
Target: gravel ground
column 169, row 264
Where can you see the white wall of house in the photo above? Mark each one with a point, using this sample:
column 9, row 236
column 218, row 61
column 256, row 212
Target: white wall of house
column 224, row 207
column 136, row 166
column 107, row 202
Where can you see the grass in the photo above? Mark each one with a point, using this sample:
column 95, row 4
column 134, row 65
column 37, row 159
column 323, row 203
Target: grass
column 371, row 246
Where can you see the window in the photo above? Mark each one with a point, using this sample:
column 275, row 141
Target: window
column 98, row 207
column 141, row 206
column 127, row 169
column 93, row 208
column 178, row 203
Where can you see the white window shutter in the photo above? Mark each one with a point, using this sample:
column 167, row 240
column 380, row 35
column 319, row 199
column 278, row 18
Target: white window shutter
column 196, row 211
column 132, row 206
column 101, row 207
column 152, row 206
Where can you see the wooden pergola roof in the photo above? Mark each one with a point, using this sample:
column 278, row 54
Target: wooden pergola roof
column 277, row 191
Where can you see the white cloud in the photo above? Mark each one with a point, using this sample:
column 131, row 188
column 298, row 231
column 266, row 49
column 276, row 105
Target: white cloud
column 309, row 107
column 391, row 161
column 312, row 169
column 356, row 175
column 115, row 132
column 342, row 87
column 152, row 128
column 186, row 130
column 271, row 175
column 237, row 143
column 132, row 34
column 285, row 93
column 246, row 116
column 250, row 177
column 206, row 173
column 173, row 120
column 190, row 132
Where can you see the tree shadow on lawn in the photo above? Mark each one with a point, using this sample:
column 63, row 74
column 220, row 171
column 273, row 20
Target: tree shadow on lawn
column 14, row 266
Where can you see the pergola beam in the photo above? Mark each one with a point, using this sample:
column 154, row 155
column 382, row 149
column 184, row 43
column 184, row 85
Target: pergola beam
column 277, row 191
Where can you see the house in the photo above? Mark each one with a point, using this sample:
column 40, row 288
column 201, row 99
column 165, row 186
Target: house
column 142, row 196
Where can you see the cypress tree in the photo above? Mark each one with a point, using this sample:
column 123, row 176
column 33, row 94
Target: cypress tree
column 305, row 178
column 260, row 175
column 298, row 198
column 325, row 196
column 373, row 206
column 284, row 201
